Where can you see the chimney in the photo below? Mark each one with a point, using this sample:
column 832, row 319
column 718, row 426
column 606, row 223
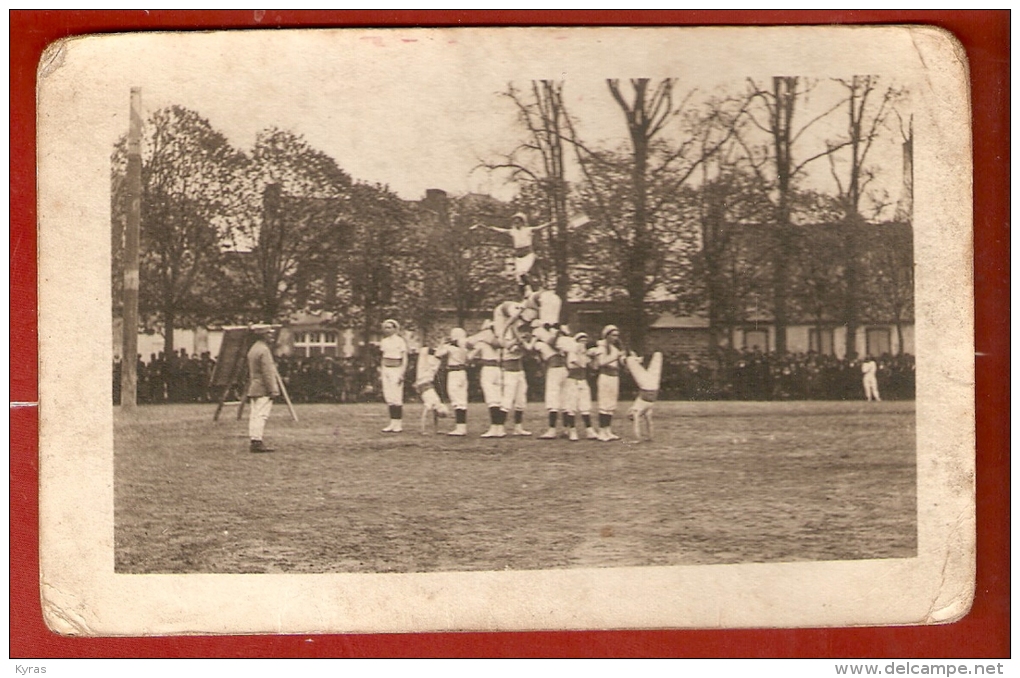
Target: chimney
column 905, row 205
column 437, row 201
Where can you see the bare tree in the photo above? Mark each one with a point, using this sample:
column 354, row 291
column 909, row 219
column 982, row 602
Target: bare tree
column 819, row 281
column 775, row 164
column 867, row 110
column 905, row 205
column 635, row 197
column 890, row 268
column 730, row 202
column 540, row 161
column 647, row 114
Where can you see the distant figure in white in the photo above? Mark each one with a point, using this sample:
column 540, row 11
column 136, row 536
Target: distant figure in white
column 870, row 370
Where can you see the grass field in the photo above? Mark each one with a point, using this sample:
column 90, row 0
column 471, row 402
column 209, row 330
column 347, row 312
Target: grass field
column 724, row 482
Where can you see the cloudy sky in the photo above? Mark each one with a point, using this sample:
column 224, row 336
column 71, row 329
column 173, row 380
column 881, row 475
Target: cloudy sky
column 418, row 109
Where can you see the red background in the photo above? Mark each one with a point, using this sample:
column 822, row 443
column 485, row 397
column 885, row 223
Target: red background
column 984, row 632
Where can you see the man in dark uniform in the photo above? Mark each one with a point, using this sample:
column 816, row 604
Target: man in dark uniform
column 263, row 386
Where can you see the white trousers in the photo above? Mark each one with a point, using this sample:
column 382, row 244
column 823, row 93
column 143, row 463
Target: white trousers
column 258, row 415
column 492, row 385
column 555, row 383
column 577, row 397
column 522, row 265
column 608, row 393
column 515, row 391
column 457, row 389
column 871, row 388
column 393, row 385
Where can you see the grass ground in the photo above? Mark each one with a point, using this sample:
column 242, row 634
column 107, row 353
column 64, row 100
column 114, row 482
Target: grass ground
column 724, row 482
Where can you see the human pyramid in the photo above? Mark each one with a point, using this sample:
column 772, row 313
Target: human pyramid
column 499, row 347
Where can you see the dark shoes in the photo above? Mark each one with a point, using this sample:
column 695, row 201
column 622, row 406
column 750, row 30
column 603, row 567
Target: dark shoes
column 257, row 446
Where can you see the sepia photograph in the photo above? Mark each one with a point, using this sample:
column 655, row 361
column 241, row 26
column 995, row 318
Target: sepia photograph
column 533, row 328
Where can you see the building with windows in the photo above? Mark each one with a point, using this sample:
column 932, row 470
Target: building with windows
column 309, row 334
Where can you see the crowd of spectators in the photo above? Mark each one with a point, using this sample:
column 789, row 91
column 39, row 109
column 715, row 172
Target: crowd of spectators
column 179, row 379
column 325, row 379
column 734, row 375
column 753, row 375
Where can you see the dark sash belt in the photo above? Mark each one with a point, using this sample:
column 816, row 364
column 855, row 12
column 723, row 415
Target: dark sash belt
column 648, row 396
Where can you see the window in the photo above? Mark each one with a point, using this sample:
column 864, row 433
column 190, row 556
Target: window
column 308, row 344
column 820, row 340
column 756, row 339
column 878, row 341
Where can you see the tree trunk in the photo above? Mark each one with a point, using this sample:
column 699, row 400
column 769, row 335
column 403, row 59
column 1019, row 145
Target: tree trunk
column 714, row 329
column 784, row 91
column 781, row 268
column 713, row 297
column 168, row 332
column 899, row 335
column 170, row 366
column 638, row 323
column 560, row 261
column 554, row 113
column 366, row 337
column 779, row 300
column 638, row 261
column 330, row 295
column 852, row 274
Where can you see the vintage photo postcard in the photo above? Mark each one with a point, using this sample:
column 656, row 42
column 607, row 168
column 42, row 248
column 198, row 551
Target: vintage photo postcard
column 401, row 330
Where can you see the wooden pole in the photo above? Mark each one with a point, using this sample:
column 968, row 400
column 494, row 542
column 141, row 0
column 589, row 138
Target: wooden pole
column 219, row 407
column 129, row 353
column 243, row 399
column 286, row 396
